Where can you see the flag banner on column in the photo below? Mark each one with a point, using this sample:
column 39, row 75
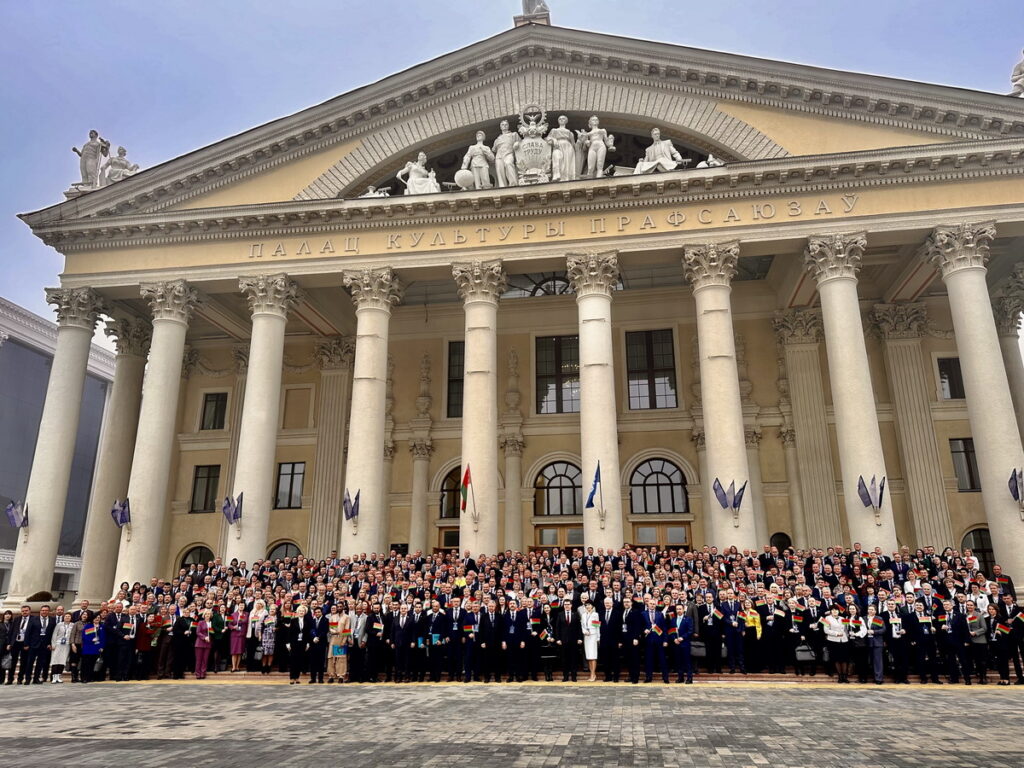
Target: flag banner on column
column 871, row 496
column 121, row 512
column 738, row 499
column 862, row 491
column 346, row 505
column 238, row 509
column 1016, row 484
column 594, row 487
column 228, row 508
column 720, row 494
column 464, row 489
column 17, row 514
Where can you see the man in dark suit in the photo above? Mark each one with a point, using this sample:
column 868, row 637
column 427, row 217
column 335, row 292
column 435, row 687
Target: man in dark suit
column 299, row 638
column 709, row 629
column 489, row 644
column 897, row 641
column 568, row 638
column 632, row 636
column 318, row 642
column 655, row 641
column 418, row 654
column 456, row 645
column 611, row 638
column 470, row 642
column 1009, row 613
column 404, row 634
column 20, row 647
column 731, row 608
column 514, row 631
column 437, row 630
column 112, row 629
column 40, row 635
column 126, row 632
column 680, row 635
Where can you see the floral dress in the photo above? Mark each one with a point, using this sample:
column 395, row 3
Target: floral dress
column 267, row 637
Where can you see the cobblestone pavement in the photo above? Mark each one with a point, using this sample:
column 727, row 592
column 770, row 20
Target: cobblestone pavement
column 510, row 726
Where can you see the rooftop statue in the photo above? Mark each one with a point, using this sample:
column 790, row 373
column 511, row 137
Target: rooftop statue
column 89, row 160
column 372, row 191
column 478, row 161
column 533, row 153
column 660, row 156
column 563, row 153
column 535, row 6
column 118, row 168
column 1017, row 78
column 504, row 156
column 711, row 162
column 417, row 178
column 592, row 145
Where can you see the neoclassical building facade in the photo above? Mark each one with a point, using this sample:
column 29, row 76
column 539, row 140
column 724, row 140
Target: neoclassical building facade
column 800, row 327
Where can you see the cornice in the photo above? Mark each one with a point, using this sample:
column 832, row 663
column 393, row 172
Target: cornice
column 940, row 110
column 845, row 172
column 41, row 334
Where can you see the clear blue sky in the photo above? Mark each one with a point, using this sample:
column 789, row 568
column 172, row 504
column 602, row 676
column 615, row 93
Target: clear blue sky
column 164, row 78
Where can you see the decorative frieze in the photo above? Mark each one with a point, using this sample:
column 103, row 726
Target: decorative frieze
column 76, row 307
column 787, row 435
column 374, row 288
column 593, row 273
column 424, row 399
column 334, row 353
column 269, row 294
column 710, row 264
column 835, row 256
column 130, row 334
column 240, row 357
column 959, row 246
column 171, row 300
column 480, row 280
column 900, row 321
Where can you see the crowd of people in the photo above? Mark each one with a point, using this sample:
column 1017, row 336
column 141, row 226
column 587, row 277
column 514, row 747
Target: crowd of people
column 628, row 615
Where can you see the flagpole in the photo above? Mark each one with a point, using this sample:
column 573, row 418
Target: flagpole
column 600, row 490
column 476, row 512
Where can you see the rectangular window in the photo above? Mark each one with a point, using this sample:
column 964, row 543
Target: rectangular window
column 558, row 374
column 289, row 485
column 651, row 369
column 449, row 537
column 965, row 464
column 951, row 381
column 204, row 488
column 456, row 371
column 215, row 406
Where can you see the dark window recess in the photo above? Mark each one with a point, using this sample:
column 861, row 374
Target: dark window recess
column 951, row 380
column 965, row 464
column 456, row 371
column 215, row 407
column 651, row 369
column 290, row 476
column 204, row 488
column 558, row 374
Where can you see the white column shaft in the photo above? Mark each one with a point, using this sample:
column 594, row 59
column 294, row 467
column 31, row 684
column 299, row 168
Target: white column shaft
column 140, row 557
column 419, row 512
column 756, row 489
column 723, row 417
column 113, row 470
column 796, row 503
column 328, row 478
column 478, row 526
column 365, row 471
column 255, row 473
column 1014, row 364
column 513, row 501
column 51, row 465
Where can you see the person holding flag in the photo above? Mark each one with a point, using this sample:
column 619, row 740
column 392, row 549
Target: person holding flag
column 655, row 641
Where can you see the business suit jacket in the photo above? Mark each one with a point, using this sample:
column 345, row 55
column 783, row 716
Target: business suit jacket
column 490, row 629
column 611, row 628
column 300, row 637
column 632, row 625
column 404, row 636
column 515, row 627
column 658, row 621
column 568, row 631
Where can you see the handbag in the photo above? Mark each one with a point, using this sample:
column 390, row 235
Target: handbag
column 698, row 650
column 804, row 653
column 259, row 654
column 6, row 661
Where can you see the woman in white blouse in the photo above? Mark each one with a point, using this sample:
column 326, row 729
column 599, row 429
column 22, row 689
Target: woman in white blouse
column 837, row 636
column 591, row 623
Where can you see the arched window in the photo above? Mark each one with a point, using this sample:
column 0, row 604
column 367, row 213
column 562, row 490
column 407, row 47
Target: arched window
column 781, row 541
column 558, row 490
column 979, row 541
column 283, row 550
column 450, row 495
column 658, row 487
column 197, row 555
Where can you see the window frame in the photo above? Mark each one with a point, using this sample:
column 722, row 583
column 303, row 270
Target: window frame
column 970, row 463
column 451, row 487
column 450, row 379
column 543, row 492
column 641, row 488
column 939, row 358
column 650, row 370
column 559, row 378
column 291, row 485
column 221, row 395
column 193, row 510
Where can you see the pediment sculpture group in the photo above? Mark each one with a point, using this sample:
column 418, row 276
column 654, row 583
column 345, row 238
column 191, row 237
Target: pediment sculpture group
column 533, row 154
column 98, row 167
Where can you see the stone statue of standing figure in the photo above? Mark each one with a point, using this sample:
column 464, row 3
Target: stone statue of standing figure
column 1017, row 78
column 478, row 161
column 563, row 154
column 89, row 160
column 504, row 156
column 593, row 145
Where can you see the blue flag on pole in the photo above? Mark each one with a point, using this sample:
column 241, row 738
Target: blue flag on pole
column 228, row 508
column 238, row 508
column 121, row 512
column 17, row 514
column 346, row 505
column 593, row 488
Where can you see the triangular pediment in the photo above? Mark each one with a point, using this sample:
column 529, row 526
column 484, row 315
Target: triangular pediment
column 740, row 107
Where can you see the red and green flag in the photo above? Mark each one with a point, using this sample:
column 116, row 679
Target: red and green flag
column 718, row 614
column 1003, row 629
column 656, row 629
column 877, row 621
column 467, row 479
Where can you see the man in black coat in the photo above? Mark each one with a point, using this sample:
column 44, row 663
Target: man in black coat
column 126, row 632
column 183, row 640
column 568, row 638
column 404, row 633
column 18, row 642
column 40, row 644
column 318, row 641
column 112, row 630
column 489, row 643
column 298, row 640
column 632, row 637
column 514, row 632
column 611, row 638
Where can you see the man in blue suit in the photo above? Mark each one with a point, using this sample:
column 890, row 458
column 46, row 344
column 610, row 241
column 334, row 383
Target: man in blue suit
column 680, row 632
column 731, row 609
column 403, row 640
column 611, row 640
column 40, row 638
column 318, row 642
column 655, row 641
column 514, row 631
column 632, row 636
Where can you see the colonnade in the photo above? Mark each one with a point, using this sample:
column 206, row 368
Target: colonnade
column 959, row 253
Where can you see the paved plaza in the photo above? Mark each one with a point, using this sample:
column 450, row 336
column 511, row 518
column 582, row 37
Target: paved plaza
column 494, row 726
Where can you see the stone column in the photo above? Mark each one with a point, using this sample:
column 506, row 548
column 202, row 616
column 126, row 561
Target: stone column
column 374, row 292
column 240, row 358
column 1007, row 316
column 334, row 357
column 593, row 277
column 752, row 436
column 114, row 458
column 796, row 503
column 902, row 326
column 270, row 298
column 961, row 252
column 513, row 445
column 419, row 515
column 834, row 262
column 709, row 269
column 799, row 330
column 77, row 311
column 480, row 285
column 140, row 555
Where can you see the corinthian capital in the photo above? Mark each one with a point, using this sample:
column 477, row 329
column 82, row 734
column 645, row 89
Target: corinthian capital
column 710, row 264
column 798, row 326
column 593, row 273
column 1007, row 311
column 76, row 307
column 901, row 321
column 172, row 300
column 952, row 248
column 374, row 288
column 421, row 448
column 269, row 294
column 334, row 353
column 480, row 280
column 131, row 334
column 832, row 256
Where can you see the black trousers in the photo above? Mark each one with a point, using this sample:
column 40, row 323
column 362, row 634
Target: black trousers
column 298, row 661
column 18, row 653
column 317, row 662
column 570, row 661
column 632, row 654
column 403, row 663
column 608, row 658
column 125, row 661
column 38, row 663
column 85, row 668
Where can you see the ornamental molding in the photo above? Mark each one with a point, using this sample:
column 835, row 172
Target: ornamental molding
column 421, row 448
column 39, row 333
column 131, row 335
column 77, row 307
column 240, row 357
column 512, row 444
column 335, row 353
column 424, row 400
column 844, row 172
column 270, row 294
column 835, row 256
column 900, row 321
column 638, row 64
column 798, row 326
column 710, row 264
column 171, row 300
column 1007, row 311
column 593, row 273
column 480, row 280
column 374, row 288
column 950, row 248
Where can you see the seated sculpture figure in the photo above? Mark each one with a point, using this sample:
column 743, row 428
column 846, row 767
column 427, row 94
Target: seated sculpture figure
column 417, row 178
column 660, row 156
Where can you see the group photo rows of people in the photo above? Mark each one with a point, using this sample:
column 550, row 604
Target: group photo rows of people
column 839, row 614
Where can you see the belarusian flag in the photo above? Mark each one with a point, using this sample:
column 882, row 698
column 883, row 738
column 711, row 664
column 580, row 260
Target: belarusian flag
column 464, row 490
column 1003, row 629
column 877, row 621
